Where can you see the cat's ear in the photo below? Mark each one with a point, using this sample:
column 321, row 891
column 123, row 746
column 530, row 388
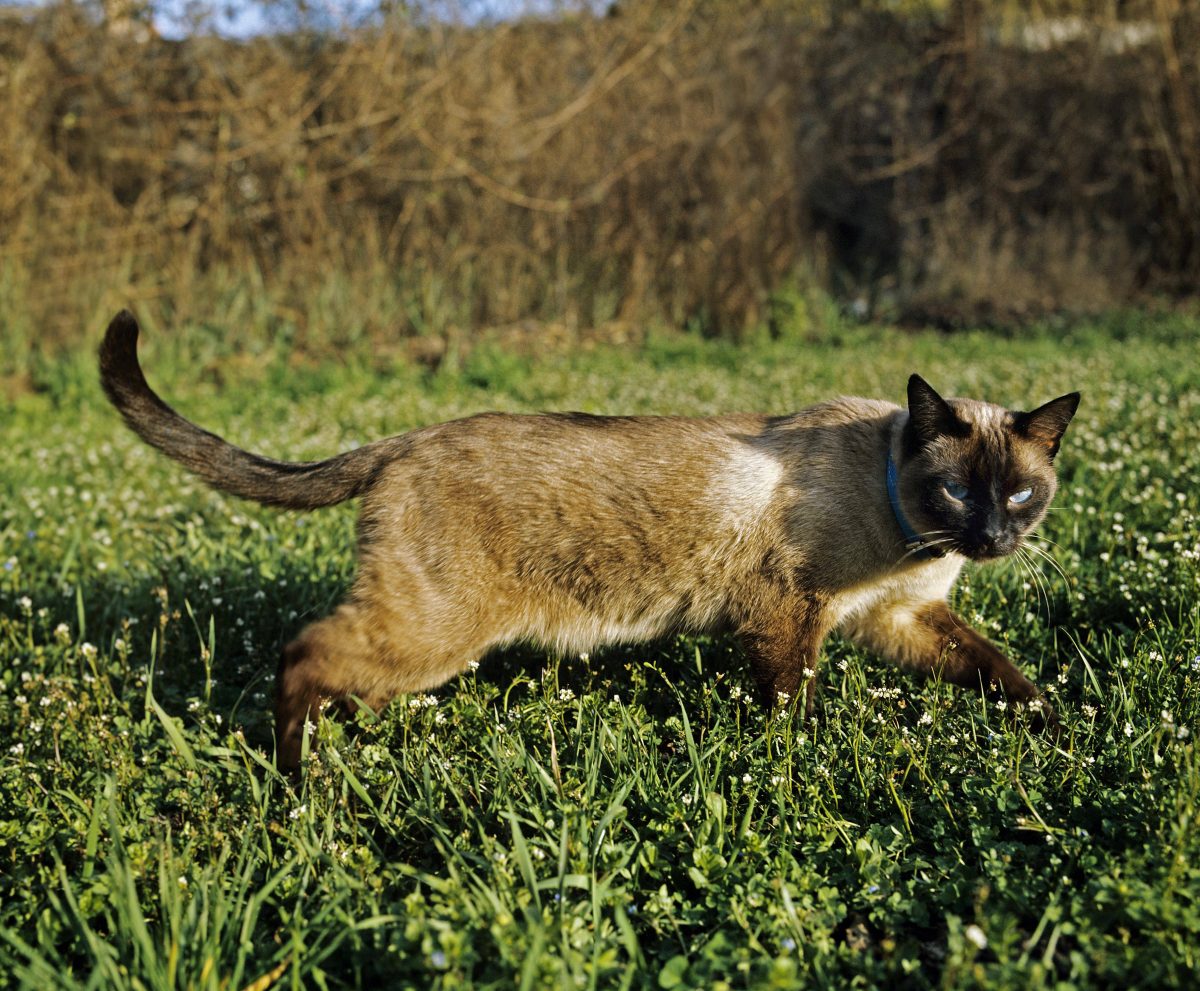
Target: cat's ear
column 1046, row 425
column 929, row 415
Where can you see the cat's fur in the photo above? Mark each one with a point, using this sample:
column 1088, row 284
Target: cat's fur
column 574, row 531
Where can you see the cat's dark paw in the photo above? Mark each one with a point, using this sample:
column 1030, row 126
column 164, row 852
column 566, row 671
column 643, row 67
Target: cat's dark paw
column 1042, row 717
column 1039, row 714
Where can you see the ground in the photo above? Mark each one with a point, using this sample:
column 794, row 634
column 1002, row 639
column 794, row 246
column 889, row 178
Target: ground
column 629, row 819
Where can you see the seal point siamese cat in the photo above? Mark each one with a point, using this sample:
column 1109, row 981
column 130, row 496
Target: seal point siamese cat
column 573, row 531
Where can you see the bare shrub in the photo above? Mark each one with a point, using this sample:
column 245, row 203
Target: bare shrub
column 674, row 162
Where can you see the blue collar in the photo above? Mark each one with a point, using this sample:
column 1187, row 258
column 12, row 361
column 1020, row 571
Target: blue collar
column 918, row 549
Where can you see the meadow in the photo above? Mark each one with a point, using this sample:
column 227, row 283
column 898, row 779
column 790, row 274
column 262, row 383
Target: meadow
column 625, row 820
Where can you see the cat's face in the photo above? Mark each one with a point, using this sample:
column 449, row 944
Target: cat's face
column 979, row 477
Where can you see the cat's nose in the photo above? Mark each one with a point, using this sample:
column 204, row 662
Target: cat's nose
column 997, row 542
column 993, row 539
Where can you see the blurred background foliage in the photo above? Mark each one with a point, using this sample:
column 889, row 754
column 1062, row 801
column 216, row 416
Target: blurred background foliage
column 406, row 174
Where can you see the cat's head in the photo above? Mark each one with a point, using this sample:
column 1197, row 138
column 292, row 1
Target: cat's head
column 978, row 477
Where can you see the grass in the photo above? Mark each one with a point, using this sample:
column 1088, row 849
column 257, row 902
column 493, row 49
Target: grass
column 629, row 819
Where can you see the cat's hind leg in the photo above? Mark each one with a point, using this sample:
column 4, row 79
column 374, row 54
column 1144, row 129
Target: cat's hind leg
column 352, row 654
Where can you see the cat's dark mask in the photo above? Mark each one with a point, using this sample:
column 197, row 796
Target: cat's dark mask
column 979, row 477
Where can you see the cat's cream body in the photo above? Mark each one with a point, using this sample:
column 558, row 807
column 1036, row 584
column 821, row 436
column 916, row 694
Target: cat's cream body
column 575, row 531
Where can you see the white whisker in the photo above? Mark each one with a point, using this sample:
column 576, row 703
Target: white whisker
column 925, row 545
column 1049, row 559
column 1037, row 580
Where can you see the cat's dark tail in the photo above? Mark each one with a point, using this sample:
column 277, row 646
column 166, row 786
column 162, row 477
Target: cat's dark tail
column 290, row 485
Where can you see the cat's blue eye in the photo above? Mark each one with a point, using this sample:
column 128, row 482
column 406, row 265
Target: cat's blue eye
column 1019, row 497
column 955, row 490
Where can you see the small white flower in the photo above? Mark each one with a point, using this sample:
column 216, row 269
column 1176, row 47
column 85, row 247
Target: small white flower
column 1089, row 711
column 473, row 665
column 783, row 698
column 62, row 633
column 183, row 882
column 1001, row 705
column 926, row 718
column 1129, row 729
column 976, row 936
column 583, row 656
column 88, row 650
column 17, row 749
column 26, row 604
column 297, row 812
column 776, row 779
column 747, row 778
column 565, row 695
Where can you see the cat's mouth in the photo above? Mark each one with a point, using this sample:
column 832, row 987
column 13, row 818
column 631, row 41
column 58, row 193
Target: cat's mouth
column 987, row 549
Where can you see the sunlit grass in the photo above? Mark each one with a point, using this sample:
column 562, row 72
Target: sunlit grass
column 628, row 819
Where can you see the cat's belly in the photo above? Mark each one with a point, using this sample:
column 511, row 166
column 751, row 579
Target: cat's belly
column 570, row 629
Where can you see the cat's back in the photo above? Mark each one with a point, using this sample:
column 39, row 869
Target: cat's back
column 671, row 461
column 523, row 447
column 841, row 411
column 574, row 476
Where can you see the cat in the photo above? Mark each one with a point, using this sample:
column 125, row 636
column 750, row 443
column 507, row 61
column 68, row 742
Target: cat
column 573, row 531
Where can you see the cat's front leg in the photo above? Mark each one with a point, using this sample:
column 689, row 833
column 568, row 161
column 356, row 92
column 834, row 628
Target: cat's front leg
column 783, row 646
column 930, row 637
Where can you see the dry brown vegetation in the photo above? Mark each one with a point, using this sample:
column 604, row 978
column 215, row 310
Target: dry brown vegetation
column 683, row 162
